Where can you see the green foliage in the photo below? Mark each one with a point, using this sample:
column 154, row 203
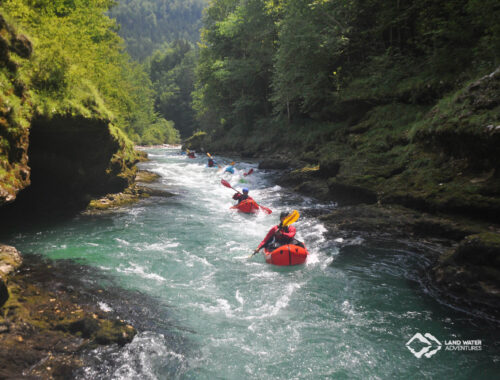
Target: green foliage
column 79, row 66
column 159, row 132
column 235, row 64
column 307, row 58
column 171, row 70
column 146, row 25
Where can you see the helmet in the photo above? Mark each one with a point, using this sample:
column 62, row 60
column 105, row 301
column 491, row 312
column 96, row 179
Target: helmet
column 245, row 190
column 284, row 214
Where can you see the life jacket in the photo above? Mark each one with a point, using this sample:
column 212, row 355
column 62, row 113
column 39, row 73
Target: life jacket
column 240, row 197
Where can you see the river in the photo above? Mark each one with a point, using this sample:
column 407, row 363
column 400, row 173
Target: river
column 204, row 310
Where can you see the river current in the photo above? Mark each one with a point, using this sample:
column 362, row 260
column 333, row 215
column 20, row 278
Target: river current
column 205, row 310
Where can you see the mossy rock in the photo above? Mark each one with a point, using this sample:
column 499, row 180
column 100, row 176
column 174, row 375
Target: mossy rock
column 101, row 331
column 480, row 249
column 146, row 176
column 116, row 331
column 471, row 272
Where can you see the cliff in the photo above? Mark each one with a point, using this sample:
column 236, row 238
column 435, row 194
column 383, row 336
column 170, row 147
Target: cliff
column 53, row 160
column 58, row 159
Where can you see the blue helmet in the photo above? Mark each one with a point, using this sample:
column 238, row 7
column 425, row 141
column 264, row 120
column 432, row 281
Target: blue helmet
column 245, row 190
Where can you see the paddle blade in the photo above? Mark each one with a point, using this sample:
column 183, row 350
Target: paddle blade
column 292, row 218
column 225, row 183
column 209, row 155
column 266, row 210
column 249, row 172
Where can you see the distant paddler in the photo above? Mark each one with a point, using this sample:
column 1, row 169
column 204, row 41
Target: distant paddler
column 230, row 168
column 211, row 162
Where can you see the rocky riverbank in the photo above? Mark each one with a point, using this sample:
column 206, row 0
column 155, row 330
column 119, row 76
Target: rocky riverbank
column 44, row 331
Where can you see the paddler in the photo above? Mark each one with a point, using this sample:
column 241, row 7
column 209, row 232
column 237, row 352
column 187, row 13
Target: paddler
column 230, row 168
column 279, row 235
column 211, row 163
column 241, row 197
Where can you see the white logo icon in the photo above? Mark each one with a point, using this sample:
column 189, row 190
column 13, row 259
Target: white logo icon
column 429, row 342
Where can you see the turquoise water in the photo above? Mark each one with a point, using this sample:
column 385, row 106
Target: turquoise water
column 210, row 312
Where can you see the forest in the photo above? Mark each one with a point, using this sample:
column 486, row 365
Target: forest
column 80, row 66
column 146, row 25
column 292, row 60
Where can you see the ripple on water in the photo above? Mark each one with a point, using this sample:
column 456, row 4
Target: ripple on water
column 344, row 314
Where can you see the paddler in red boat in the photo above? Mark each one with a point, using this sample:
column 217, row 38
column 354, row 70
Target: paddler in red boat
column 241, row 197
column 279, row 235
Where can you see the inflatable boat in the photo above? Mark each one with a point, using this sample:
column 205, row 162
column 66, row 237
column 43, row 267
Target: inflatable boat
column 248, row 206
column 286, row 255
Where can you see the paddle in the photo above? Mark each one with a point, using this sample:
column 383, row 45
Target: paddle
column 227, row 184
column 249, row 172
column 289, row 220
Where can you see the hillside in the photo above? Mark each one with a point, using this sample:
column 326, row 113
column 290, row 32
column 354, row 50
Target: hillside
column 72, row 104
column 146, row 25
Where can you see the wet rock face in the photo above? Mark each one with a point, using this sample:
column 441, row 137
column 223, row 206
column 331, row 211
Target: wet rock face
column 70, row 160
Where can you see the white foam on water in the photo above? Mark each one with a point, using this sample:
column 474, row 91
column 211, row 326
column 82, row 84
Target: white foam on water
column 104, row 307
column 141, row 271
column 122, row 242
column 239, row 298
column 159, row 247
column 222, row 306
column 141, row 359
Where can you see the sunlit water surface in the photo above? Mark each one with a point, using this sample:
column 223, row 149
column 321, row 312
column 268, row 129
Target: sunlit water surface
column 207, row 311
